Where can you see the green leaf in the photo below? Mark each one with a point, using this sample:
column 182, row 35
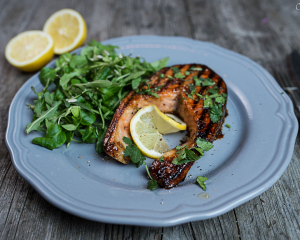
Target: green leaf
column 136, row 82
column 95, row 84
column 54, row 138
column 220, row 99
column 133, row 152
column 47, row 74
column 49, row 113
column 207, row 102
column 195, row 69
column 64, row 80
column 175, row 70
column 152, row 184
column 207, row 82
column 134, row 76
column 99, row 143
column 88, row 118
column 78, row 62
column 179, row 75
column 228, row 126
column 201, row 181
column 197, row 81
column 215, row 113
column 161, row 159
column 204, row 144
column 157, row 65
column 69, row 127
column 214, row 90
column 69, row 136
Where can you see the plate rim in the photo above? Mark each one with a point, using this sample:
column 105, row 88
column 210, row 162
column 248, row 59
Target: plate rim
column 167, row 221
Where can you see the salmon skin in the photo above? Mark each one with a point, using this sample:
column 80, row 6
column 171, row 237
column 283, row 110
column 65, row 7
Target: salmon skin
column 173, row 97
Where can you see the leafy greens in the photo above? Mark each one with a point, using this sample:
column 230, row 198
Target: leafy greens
column 88, row 89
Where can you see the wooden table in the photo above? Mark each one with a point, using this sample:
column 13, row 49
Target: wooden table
column 265, row 31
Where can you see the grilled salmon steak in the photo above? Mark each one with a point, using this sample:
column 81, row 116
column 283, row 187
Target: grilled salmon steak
column 176, row 96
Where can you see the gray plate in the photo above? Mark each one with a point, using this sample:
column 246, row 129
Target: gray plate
column 249, row 159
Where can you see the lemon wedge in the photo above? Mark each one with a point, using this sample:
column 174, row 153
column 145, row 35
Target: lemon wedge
column 29, row 51
column 67, row 28
column 147, row 127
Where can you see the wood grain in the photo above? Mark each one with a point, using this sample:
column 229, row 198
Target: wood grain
column 235, row 25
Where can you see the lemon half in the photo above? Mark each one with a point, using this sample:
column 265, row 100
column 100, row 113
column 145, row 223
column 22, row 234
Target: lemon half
column 67, row 28
column 29, row 51
column 147, row 127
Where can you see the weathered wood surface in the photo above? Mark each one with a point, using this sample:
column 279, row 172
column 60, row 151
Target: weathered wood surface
column 233, row 24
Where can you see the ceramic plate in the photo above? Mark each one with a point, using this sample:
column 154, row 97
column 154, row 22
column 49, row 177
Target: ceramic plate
column 250, row 158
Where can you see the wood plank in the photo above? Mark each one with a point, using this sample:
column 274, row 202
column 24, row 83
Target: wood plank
column 235, row 25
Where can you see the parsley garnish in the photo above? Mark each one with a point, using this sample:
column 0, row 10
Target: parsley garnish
column 215, row 113
column 179, row 75
column 197, row 81
column 200, row 180
column 138, row 158
column 150, row 91
column 185, row 155
column 207, row 82
column 175, row 70
column 196, row 69
column 203, row 144
column 228, row 126
column 162, row 75
column 133, row 152
column 193, row 90
column 187, row 73
column 214, row 90
column 152, row 183
column 161, row 159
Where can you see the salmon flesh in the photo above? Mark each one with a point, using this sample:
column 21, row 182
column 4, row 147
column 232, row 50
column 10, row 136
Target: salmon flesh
column 174, row 96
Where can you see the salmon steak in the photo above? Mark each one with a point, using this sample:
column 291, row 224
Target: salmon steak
column 178, row 92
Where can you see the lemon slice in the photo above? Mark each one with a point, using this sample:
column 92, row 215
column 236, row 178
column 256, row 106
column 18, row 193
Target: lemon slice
column 30, row 50
column 67, row 28
column 147, row 127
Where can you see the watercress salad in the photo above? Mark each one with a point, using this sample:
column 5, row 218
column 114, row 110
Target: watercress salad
column 88, row 89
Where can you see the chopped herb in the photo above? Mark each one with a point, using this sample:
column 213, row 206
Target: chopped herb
column 150, row 91
column 185, row 155
column 282, row 93
column 187, row 73
column 201, row 181
column 161, row 159
column 204, row 144
column 214, row 90
column 197, row 81
column 215, row 113
column 207, row 82
column 196, row 69
column 175, row 70
column 162, row 75
column 133, row 152
column 179, row 75
column 152, row 184
column 207, row 102
column 170, row 77
column 199, row 95
column 228, row 126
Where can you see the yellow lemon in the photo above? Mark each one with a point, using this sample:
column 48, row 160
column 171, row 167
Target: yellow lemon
column 29, row 51
column 67, row 28
column 147, row 127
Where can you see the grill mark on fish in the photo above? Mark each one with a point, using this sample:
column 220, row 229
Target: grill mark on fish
column 190, row 110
